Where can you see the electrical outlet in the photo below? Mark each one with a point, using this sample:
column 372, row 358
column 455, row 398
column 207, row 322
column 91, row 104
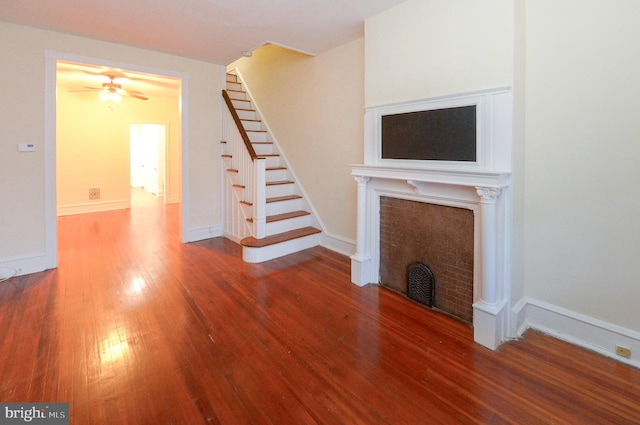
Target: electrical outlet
column 623, row 351
column 94, row 193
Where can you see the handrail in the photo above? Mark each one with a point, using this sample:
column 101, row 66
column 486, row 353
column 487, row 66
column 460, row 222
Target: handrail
column 241, row 129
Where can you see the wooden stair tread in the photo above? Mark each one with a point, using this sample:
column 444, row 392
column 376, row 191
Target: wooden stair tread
column 283, row 198
column 279, row 182
column 283, row 216
column 280, row 237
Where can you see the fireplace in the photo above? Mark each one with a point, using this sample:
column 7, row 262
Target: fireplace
column 438, row 236
column 479, row 190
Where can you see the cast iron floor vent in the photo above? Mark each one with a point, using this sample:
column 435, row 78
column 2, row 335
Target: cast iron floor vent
column 421, row 284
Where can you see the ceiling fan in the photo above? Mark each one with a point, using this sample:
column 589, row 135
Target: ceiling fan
column 113, row 91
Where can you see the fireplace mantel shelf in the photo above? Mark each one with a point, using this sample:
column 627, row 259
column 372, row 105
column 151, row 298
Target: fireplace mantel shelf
column 472, row 178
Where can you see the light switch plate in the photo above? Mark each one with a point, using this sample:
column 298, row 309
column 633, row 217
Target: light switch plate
column 26, row 147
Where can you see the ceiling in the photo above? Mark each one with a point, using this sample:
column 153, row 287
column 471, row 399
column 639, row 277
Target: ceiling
column 72, row 76
column 216, row 31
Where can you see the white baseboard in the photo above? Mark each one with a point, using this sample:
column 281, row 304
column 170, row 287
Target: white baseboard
column 93, row 207
column 338, row 244
column 203, row 233
column 18, row 266
column 172, row 199
column 575, row 328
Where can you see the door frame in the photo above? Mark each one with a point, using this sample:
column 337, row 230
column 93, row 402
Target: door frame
column 51, row 58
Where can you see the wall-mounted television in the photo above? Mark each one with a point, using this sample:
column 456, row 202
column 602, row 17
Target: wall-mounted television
column 447, row 134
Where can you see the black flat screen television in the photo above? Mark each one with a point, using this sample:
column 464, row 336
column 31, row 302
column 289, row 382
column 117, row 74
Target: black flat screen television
column 438, row 135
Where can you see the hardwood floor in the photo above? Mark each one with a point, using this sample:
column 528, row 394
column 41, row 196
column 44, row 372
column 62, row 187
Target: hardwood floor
column 135, row 327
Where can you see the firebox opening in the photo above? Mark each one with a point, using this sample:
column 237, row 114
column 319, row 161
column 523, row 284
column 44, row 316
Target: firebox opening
column 421, row 284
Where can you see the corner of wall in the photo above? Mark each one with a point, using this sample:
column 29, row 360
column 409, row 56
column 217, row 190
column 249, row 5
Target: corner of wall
column 575, row 328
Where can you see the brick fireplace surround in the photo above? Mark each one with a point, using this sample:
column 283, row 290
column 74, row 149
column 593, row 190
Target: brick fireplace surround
column 440, row 237
column 480, row 188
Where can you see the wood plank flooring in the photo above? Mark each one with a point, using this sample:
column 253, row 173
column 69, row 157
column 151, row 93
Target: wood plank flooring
column 135, row 327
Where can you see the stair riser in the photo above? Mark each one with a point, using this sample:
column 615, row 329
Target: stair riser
column 252, row 125
column 274, row 191
column 242, row 104
column 286, row 225
column 258, row 255
column 263, row 148
column 277, row 175
column 257, row 136
column 282, row 207
column 246, row 115
column 237, row 95
column 273, row 161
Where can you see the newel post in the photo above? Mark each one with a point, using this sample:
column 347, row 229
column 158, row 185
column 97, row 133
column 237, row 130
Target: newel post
column 259, row 210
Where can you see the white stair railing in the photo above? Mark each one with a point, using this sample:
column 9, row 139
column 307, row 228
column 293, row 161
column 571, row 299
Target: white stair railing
column 250, row 182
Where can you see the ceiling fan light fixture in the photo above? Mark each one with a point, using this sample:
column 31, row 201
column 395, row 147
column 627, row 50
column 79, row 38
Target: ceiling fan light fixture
column 108, row 95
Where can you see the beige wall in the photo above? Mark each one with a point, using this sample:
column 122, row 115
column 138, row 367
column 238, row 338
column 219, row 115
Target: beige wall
column 426, row 48
column 574, row 68
column 22, row 120
column 314, row 106
column 92, row 148
column 582, row 153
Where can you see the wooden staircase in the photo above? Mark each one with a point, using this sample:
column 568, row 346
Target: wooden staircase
column 269, row 215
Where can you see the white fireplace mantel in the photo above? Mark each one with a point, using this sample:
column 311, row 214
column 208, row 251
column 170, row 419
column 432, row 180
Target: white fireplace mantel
column 483, row 186
column 421, row 175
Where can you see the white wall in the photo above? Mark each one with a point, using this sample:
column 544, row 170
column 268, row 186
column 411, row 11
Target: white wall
column 22, row 120
column 314, row 106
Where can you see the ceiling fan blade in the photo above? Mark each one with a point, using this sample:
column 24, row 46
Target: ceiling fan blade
column 132, row 93
column 137, row 96
column 85, row 89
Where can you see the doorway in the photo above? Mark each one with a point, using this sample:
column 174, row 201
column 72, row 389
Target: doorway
column 147, row 147
column 180, row 184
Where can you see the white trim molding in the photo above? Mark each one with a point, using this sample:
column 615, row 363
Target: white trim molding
column 575, row 328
